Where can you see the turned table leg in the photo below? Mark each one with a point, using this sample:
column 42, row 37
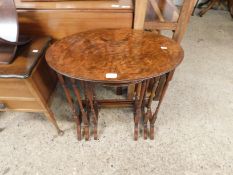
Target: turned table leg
column 84, row 114
column 141, row 88
column 148, row 114
column 88, row 88
column 154, row 116
column 71, row 104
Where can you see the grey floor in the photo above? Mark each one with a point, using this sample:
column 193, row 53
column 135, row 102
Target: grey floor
column 194, row 130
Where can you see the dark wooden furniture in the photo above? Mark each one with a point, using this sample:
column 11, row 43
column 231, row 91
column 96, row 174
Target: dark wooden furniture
column 27, row 83
column 114, row 57
column 8, row 31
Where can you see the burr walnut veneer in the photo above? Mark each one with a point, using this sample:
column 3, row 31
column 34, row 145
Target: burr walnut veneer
column 114, row 57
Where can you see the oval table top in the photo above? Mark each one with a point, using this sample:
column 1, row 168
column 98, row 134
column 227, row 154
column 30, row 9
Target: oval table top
column 114, row 55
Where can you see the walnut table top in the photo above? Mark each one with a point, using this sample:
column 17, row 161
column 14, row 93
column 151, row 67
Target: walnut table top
column 114, row 55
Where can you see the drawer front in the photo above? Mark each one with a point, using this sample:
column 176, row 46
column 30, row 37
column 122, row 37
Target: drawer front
column 27, row 106
column 61, row 23
column 14, row 89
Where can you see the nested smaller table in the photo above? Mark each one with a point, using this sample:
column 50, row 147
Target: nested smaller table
column 115, row 57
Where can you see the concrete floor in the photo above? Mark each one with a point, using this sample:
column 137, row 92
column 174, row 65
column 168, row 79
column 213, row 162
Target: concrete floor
column 194, row 130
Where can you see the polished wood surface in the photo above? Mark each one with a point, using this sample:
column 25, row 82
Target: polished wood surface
column 77, row 5
column 27, row 83
column 60, row 19
column 130, row 54
column 61, row 23
column 8, row 31
column 10, row 88
column 26, row 60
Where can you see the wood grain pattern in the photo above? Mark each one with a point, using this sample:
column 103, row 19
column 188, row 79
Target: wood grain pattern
column 133, row 55
column 10, row 88
column 27, row 57
column 27, row 83
column 60, row 19
column 124, row 5
column 61, row 23
column 14, row 105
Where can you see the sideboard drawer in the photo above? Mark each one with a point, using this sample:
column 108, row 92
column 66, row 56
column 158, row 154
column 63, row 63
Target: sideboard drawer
column 14, row 89
column 29, row 106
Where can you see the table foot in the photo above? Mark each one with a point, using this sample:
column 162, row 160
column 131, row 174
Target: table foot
column 90, row 95
column 136, row 132
column 86, row 133
column 60, row 132
column 95, row 133
column 79, row 133
column 146, row 119
column 145, row 131
column 152, row 130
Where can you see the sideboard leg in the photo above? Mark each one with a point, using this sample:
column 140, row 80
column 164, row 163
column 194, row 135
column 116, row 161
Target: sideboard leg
column 49, row 114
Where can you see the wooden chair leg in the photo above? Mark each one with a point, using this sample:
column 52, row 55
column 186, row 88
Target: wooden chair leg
column 208, row 7
column 195, row 7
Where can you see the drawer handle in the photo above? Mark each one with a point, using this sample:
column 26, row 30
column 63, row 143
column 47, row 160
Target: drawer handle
column 2, row 106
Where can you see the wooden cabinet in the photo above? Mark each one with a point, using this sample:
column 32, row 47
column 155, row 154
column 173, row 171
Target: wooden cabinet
column 27, row 83
column 60, row 19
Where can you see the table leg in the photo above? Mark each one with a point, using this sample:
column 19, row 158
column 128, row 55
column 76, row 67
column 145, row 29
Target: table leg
column 90, row 95
column 141, row 87
column 86, row 105
column 84, row 114
column 71, row 104
column 149, row 112
column 154, row 116
column 208, row 7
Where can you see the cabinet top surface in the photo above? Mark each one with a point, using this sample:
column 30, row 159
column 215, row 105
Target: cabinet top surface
column 26, row 59
column 114, row 55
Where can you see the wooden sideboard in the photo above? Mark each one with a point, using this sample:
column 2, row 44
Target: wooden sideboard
column 60, row 19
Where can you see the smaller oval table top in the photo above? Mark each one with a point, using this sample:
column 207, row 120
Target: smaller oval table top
column 114, row 55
